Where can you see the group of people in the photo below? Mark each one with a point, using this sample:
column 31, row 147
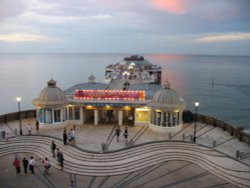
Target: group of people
column 26, row 164
column 70, row 137
column 57, row 153
column 31, row 163
column 29, row 128
column 118, row 132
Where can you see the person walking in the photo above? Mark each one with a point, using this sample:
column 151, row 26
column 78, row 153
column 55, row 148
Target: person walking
column 72, row 136
column 32, row 164
column 65, row 136
column 6, row 137
column 29, row 129
column 25, row 165
column 60, row 158
column 130, row 120
column 16, row 164
column 117, row 133
column 37, row 125
column 46, row 165
column 53, row 148
column 125, row 134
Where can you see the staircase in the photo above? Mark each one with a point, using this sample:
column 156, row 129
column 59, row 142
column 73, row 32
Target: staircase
column 82, row 162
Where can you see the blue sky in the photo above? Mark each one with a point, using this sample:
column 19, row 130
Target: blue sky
column 119, row 26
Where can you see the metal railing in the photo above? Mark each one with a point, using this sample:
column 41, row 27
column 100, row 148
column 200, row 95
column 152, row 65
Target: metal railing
column 235, row 131
column 15, row 116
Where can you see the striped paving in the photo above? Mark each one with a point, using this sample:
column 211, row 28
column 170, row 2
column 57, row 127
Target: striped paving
column 131, row 160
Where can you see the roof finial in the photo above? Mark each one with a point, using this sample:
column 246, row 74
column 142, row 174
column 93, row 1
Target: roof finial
column 92, row 78
column 52, row 82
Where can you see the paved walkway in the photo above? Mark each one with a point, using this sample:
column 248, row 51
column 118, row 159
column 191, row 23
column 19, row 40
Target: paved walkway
column 168, row 174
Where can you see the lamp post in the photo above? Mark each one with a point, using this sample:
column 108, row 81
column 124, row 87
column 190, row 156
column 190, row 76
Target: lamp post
column 18, row 99
column 196, row 104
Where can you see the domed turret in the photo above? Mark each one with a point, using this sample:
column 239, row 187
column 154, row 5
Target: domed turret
column 167, row 98
column 50, row 96
column 166, row 110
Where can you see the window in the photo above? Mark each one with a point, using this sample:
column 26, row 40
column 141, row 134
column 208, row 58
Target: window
column 65, row 116
column 159, row 118
column 154, row 121
column 141, row 115
column 178, row 117
column 41, row 115
column 48, row 117
column 165, row 119
column 174, row 119
column 70, row 113
column 77, row 113
column 57, row 116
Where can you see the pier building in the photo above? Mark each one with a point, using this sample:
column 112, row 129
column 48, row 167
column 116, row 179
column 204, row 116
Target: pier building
column 131, row 95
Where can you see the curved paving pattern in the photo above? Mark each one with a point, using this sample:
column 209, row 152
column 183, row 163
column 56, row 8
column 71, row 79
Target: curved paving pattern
column 78, row 161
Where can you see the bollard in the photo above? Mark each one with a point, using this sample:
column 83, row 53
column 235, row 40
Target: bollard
column 183, row 137
column 241, row 154
column 231, row 131
column 104, row 147
column 214, row 143
column 74, row 127
column 237, row 154
column 3, row 134
column 72, row 184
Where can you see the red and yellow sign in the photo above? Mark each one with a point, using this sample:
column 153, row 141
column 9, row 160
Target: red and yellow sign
column 109, row 95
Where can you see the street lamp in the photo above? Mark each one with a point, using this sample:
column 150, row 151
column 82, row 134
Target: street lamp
column 18, row 99
column 196, row 104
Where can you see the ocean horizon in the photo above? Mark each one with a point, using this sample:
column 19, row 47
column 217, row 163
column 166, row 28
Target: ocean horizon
column 219, row 82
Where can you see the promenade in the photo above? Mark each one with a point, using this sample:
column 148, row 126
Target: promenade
column 164, row 164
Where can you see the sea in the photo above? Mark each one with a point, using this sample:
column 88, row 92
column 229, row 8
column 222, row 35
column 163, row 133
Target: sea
column 221, row 84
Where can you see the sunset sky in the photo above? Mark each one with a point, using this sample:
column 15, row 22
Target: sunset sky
column 125, row 26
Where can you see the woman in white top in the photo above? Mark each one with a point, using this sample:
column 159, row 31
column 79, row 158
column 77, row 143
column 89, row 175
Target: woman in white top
column 32, row 164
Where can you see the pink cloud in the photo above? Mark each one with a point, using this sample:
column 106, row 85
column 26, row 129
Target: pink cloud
column 178, row 7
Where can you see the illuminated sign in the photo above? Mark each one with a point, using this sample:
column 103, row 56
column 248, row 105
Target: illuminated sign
column 109, row 95
column 107, row 104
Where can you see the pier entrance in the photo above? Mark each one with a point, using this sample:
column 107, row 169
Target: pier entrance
column 107, row 115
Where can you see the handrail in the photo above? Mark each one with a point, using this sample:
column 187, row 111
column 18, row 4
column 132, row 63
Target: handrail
column 15, row 115
column 235, row 131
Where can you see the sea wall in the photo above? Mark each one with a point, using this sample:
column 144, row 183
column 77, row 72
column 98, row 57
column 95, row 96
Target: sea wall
column 235, row 131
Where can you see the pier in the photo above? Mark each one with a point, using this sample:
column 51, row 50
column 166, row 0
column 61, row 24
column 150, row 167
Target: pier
column 220, row 156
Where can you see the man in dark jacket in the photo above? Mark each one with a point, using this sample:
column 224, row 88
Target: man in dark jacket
column 25, row 165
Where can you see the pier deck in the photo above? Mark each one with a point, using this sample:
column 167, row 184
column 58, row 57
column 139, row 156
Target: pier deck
column 172, row 173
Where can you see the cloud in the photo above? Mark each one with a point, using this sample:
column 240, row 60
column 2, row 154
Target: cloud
column 177, row 7
column 227, row 37
column 24, row 38
column 13, row 8
column 51, row 19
